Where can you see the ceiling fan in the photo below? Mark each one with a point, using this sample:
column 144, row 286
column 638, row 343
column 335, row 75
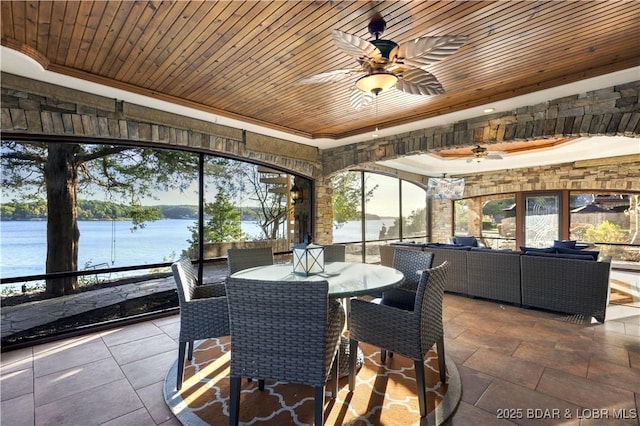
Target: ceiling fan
column 481, row 153
column 386, row 64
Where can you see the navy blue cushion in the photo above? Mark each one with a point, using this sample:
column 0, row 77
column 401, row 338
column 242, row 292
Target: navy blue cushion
column 466, row 241
column 538, row 249
column 399, row 298
column 567, row 244
column 490, row 250
column 559, row 255
column 593, row 254
column 454, row 247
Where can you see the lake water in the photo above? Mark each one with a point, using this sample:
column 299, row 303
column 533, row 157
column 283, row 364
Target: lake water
column 23, row 245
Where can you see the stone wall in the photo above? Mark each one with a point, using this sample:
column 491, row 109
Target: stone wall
column 39, row 111
column 613, row 111
column 34, row 109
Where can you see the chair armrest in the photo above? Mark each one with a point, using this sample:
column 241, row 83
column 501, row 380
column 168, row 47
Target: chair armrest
column 209, row 290
column 378, row 324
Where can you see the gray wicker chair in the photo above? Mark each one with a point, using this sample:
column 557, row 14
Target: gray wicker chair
column 244, row 258
column 284, row 331
column 203, row 311
column 410, row 263
column 335, row 253
column 407, row 333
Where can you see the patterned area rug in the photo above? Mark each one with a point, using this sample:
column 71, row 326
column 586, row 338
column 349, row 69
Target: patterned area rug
column 383, row 394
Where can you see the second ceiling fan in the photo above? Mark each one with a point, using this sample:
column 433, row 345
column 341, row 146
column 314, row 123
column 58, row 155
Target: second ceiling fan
column 385, row 64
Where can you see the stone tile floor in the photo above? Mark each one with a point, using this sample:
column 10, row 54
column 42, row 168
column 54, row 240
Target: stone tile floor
column 517, row 366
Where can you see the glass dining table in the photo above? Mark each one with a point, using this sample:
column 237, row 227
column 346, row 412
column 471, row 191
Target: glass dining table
column 345, row 279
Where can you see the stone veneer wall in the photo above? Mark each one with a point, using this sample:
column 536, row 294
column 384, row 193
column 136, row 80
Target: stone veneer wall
column 35, row 110
column 612, row 111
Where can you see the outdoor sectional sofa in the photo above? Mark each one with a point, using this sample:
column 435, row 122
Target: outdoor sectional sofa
column 553, row 281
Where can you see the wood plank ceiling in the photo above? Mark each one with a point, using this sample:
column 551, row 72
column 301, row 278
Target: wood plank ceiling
column 245, row 59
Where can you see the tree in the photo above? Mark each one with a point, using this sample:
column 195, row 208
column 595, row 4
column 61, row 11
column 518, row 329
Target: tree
column 271, row 199
column 60, row 169
column 224, row 223
column 346, row 200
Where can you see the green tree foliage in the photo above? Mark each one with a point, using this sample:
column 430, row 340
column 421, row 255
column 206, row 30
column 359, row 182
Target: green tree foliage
column 346, row 200
column 224, row 223
column 607, row 232
column 57, row 171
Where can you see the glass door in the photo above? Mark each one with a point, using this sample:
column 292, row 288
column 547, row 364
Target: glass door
column 541, row 219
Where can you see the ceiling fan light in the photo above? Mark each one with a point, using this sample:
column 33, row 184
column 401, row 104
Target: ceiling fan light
column 376, row 83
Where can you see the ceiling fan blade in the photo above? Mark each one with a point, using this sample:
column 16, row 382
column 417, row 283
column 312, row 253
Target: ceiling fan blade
column 329, row 76
column 354, row 45
column 425, row 51
column 360, row 99
column 419, row 82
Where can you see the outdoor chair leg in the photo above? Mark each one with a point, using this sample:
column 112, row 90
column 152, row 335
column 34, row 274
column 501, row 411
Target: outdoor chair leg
column 334, row 375
column 441, row 364
column 383, row 356
column 261, row 384
column 190, row 352
column 319, row 405
column 234, row 397
column 422, row 397
column 181, row 351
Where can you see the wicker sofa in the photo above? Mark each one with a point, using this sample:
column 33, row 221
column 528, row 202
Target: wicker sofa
column 555, row 282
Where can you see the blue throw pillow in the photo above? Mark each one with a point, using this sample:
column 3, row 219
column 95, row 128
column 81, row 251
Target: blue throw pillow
column 567, row 244
column 538, row 249
column 466, row 241
column 594, row 254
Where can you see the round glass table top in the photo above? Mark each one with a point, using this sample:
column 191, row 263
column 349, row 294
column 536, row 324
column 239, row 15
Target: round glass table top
column 345, row 279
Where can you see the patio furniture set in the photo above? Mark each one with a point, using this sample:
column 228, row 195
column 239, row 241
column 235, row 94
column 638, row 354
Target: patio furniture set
column 288, row 327
column 553, row 278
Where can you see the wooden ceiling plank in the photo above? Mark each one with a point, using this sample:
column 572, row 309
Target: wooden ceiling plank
column 121, row 44
column 70, row 14
column 253, row 71
column 163, row 27
column 146, row 29
column 57, row 18
column 121, row 11
column 89, row 35
column 166, row 75
column 31, row 25
column 103, row 33
column 43, row 29
column 130, row 51
column 167, row 49
column 78, row 29
column 212, row 59
column 9, row 21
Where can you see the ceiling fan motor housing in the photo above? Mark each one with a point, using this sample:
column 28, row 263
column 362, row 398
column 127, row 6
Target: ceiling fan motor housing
column 385, row 47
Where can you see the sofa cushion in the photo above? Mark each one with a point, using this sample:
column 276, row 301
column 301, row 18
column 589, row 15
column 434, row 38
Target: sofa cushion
column 568, row 244
column 594, row 254
column 490, row 250
column 538, row 249
column 466, row 241
column 560, row 256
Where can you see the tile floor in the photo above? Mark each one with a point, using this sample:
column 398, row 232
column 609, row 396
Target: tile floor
column 517, row 366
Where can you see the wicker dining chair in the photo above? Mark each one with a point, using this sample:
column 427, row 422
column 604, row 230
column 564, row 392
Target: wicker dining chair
column 203, row 311
column 410, row 263
column 335, row 253
column 244, row 258
column 407, row 333
column 284, row 331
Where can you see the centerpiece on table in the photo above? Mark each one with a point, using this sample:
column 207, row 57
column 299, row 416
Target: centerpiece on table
column 308, row 258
